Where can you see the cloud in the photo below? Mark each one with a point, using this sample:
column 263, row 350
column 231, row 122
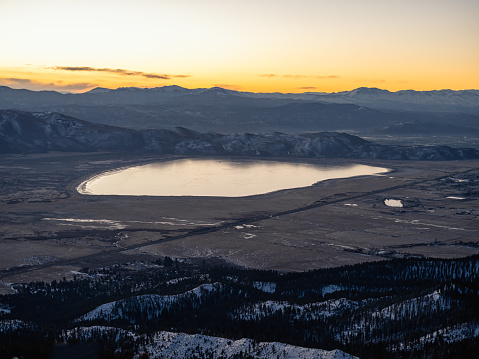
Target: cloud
column 327, row 77
column 307, row 88
column 17, row 81
column 332, row 77
column 375, row 81
column 77, row 86
column 229, row 87
column 121, row 72
column 37, row 85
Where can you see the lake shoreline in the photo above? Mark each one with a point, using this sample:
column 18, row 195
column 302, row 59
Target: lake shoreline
column 213, row 177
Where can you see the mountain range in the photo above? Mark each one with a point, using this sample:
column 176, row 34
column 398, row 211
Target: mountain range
column 363, row 110
column 35, row 132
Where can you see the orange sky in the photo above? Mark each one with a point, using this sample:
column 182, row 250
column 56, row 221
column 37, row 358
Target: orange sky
column 260, row 46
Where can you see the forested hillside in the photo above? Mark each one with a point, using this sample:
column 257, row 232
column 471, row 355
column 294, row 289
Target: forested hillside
column 421, row 308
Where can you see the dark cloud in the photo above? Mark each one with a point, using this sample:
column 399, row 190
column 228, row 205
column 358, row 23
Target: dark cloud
column 377, row 81
column 331, row 77
column 13, row 80
column 229, row 87
column 77, row 86
column 122, row 72
column 268, row 75
column 311, row 77
column 36, row 85
column 295, row 76
column 307, row 88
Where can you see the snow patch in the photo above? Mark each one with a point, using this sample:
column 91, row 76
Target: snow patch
column 88, row 223
column 13, row 325
column 307, row 311
column 396, row 311
column 267, row 287
column 331, row 289
column 4, row 309
column 453, row 334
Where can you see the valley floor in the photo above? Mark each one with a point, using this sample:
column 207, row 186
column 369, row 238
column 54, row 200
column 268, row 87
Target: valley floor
column 49, row 230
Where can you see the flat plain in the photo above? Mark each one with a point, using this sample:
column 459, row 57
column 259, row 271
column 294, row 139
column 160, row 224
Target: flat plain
column 49, row 231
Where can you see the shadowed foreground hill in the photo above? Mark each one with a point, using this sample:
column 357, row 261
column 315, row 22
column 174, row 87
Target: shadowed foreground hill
column 404, row 308
column 36, row 132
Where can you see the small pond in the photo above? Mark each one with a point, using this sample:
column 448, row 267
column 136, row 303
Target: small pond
column 393, row 203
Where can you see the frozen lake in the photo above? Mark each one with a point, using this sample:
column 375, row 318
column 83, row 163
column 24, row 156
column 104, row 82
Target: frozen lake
column 216, row 177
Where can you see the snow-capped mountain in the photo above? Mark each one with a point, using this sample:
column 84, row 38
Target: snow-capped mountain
column 462, row 101
column 223, row 110
column 431, row 101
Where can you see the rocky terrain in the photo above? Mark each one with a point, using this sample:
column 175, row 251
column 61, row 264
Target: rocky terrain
column 37, row 132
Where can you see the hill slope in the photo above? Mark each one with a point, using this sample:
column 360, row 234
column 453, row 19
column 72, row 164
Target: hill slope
column 23, row 132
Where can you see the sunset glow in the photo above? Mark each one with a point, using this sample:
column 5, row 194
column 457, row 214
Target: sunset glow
column 259, row 46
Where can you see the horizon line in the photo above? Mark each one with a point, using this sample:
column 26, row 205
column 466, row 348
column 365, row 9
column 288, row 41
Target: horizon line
column 238, row 91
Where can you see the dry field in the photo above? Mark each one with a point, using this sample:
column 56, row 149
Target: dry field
column 49, row 231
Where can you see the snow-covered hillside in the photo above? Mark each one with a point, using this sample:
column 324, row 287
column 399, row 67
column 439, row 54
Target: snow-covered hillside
column 181, row 345
column 400, row 308
column 23, row 132
column 300, row 312
column 150, row 304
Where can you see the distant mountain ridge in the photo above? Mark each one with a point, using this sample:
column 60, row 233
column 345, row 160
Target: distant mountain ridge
column 361, row 95
column 25, row 132
column 217, row 109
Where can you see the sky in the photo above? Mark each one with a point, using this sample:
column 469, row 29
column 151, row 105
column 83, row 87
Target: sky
column 248, row 45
